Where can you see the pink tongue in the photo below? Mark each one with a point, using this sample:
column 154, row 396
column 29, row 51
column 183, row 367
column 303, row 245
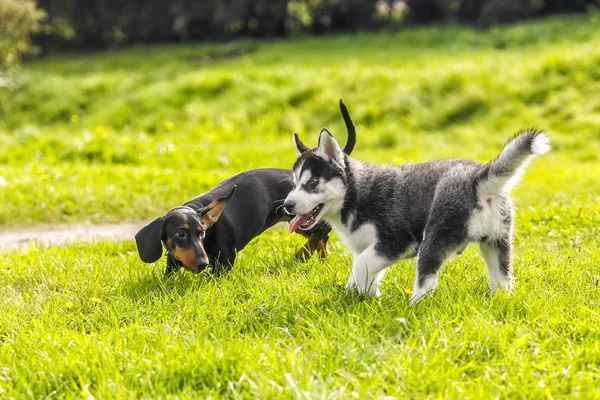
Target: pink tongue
column 296, row 221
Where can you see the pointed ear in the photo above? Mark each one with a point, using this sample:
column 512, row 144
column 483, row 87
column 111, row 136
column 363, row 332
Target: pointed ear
column 301, row 148
column 328, row 149
column 211, row 213
column 148, row 241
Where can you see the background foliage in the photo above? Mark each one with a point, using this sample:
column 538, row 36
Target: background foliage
column 99, row 23
column 18, row 20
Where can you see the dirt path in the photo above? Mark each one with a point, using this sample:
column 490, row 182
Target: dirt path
column 52, row 235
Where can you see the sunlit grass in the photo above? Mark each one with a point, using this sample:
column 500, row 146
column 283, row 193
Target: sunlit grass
column 188, row 122
column 94, row 318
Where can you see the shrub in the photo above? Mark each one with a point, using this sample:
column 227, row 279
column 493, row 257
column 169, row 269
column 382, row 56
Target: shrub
column 18, row 19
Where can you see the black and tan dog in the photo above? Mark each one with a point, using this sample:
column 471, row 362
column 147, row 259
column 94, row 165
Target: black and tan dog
column 210, row 229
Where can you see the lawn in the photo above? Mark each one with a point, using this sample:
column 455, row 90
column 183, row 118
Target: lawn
column 126, row 135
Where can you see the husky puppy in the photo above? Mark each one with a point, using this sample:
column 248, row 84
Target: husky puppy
column 432, row 210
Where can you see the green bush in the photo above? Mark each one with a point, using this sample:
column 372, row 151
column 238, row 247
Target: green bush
column 18, row 19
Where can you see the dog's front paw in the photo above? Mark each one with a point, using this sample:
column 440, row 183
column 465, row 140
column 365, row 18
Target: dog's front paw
column 355, row 287
column 303, row 253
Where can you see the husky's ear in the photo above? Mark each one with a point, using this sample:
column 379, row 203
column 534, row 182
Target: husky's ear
column 148, row 241
column 328, row 149
column 301, row 148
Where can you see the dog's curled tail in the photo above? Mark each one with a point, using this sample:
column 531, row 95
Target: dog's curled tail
column 502, row 174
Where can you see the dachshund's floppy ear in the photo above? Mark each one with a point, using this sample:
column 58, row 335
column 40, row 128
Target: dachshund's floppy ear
column 148, row 241
column 211, row 213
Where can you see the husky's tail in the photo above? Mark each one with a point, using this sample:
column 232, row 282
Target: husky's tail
column 349, row 127
column 502, row 174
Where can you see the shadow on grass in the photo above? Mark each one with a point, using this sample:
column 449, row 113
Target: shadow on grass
column 155, row 285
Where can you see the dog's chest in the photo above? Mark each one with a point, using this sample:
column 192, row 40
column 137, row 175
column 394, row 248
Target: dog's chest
column 491, row 220
column 359, row 239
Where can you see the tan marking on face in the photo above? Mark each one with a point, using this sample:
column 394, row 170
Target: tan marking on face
column 186, row 256
column 170, row 244
column 186, row 227
column 199, row 229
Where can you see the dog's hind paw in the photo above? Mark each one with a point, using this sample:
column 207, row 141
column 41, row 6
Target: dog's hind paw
column 508, row 284
column 420, row 291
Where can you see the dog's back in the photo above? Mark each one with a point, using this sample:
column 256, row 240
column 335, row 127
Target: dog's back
column 400, row 197
column 248, row 206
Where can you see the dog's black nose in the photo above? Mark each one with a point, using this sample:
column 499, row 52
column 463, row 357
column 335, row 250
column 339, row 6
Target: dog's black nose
column 288, row 207
column 201, row 264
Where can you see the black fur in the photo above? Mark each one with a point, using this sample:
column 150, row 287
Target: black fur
column 254, row 208
column 433, row 209
column 257, row 206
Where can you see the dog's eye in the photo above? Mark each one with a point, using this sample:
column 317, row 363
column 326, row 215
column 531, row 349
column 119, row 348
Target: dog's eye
column 312, row 182
column 180, row 234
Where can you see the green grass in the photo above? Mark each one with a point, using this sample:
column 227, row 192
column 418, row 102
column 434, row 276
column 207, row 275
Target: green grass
column 156, row 126
column 130, row 134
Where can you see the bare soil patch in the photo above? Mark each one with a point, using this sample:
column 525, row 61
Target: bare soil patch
column 54, row 235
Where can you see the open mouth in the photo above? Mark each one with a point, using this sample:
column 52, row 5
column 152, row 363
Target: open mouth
column 306, row 221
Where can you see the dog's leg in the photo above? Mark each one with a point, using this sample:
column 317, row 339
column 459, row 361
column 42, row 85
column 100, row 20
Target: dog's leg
column 322, row 248
column 436, row 247
column 223, row 262
column 367, row 272
column 308, row 249
column 429, row 263
column 498, row 260
column 315, row 243
column 172, row 266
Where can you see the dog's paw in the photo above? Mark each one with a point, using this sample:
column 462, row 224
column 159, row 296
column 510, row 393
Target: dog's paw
column 352, row 285
column 303, row 254
column 374, row 291
column 415, row 299
column 371, row 292
column 507, row 284
column 420, row 291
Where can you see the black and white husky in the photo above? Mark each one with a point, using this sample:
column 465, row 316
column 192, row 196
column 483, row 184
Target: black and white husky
column 388, row 213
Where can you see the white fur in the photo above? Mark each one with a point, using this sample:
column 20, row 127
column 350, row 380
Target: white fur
column 488, row 220
column 504, row 184
column 305, row 177
column 295, row 172
column 329, row 149
column 541, row 144
column 363, row 237
column 419, row 292
column 332, row 195
column 498, row 280
column 368, row 270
